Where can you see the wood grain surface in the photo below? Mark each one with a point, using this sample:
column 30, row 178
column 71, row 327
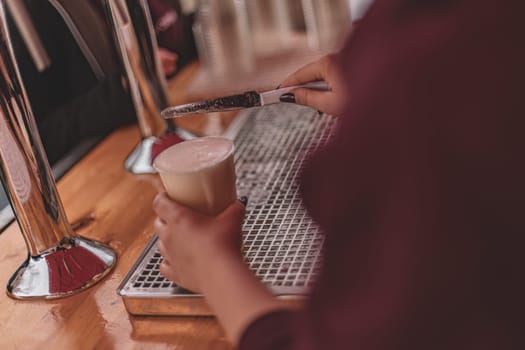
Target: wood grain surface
column 110, row 205
column 106, row 203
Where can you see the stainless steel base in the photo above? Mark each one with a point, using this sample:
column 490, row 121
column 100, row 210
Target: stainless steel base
column 73, row 266
column 139, row 161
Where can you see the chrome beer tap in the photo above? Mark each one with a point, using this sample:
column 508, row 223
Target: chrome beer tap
column 132, row 27
column 59, row 262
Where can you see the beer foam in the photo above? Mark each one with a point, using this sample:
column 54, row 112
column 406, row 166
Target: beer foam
column 193, row 155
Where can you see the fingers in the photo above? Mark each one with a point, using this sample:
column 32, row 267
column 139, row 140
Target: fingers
column 171, row 273
column 167, row 209
column 325, row 101
column 320, row 100
column 235, row 210
column 313, row 71
column 168, row 60
column 162, row 248
column 167, row 271
column 169, row 68
column 160, row 227
column 167, row 262
column 166, row 268
column 161, row 203
column 326, row 69
column 167, row 54
column 189, row 241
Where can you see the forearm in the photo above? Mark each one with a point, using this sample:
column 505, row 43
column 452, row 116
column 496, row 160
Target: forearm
column 236, row 296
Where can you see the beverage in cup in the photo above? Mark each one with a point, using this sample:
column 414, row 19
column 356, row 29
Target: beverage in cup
column 199, row 173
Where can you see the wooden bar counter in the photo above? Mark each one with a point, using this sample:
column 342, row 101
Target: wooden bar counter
column 106, row 203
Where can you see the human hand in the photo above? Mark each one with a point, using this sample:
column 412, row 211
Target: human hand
column 327, row 69
column 192, row 243
column 168, row 60
column 203, row 254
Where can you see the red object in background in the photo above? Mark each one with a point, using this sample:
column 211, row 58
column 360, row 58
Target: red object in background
column 164, row 142
column 70, row 269
column 166, row 22
column 173, row 30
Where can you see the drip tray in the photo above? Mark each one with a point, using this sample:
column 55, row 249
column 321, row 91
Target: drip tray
column 146, row 292
column 281, row 243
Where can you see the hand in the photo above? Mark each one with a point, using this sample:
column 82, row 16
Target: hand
column 327, row 69
column 192, row 243
column 203, row 253
column 168, row 60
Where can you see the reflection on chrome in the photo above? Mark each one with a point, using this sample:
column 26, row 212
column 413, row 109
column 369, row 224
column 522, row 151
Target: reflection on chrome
column 59, row 262
column 135, row 40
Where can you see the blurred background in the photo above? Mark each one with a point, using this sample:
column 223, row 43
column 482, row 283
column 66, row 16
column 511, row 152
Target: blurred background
column 77, row 87
column 257, row 43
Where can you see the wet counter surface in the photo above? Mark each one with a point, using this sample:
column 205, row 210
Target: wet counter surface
column 105, row 203
column 108, row 204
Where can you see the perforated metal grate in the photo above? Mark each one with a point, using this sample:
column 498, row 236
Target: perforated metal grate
column 281, row 243
column 150, row 276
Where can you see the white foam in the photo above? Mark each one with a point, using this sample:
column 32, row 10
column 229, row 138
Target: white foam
column 193, row 155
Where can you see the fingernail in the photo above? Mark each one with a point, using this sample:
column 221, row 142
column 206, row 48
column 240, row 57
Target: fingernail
column 243, row 200
column 289, row 97
column 278, row 86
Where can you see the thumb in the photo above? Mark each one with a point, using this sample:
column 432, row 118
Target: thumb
column 320, row 100
column 235, row 210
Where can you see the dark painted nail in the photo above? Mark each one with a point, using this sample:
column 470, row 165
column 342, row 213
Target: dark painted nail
column 243, row 200
column 289, row 97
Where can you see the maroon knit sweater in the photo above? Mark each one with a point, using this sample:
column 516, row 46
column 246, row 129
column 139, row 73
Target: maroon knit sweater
column 422, row 192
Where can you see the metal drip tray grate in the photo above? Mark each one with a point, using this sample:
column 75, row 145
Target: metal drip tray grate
column 282, row 245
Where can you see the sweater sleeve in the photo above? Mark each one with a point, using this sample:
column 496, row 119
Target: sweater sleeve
column 421, row 192
column 272, row 331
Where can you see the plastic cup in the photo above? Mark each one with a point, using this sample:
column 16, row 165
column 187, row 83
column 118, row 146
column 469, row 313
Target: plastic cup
column 199, row 173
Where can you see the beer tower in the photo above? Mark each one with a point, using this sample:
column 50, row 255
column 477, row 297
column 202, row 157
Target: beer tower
column 59, row 262
column 134, row 35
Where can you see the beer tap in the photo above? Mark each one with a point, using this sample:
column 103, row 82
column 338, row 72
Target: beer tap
column 133, row 31
column 59, row 262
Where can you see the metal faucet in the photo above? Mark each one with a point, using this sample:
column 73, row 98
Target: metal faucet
column 59, row 262
column 133, row 31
